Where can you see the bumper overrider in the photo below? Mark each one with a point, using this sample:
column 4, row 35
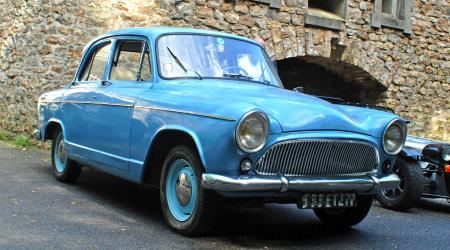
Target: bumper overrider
column 279, row 183
column 37, row 134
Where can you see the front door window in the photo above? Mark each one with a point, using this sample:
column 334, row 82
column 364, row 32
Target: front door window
column 96, row 67
column 131, row 62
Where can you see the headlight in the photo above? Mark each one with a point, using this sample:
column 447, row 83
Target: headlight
column 394, row 137
column 252, row 131
column 445, row 153
column 437, row 152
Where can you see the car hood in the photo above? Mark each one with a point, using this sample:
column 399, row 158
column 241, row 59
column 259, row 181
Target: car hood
column 294, row 111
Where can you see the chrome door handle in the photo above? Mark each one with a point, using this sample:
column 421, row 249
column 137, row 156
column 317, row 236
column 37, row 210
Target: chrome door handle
column 106, row 83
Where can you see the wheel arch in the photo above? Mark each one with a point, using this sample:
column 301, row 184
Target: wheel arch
column 163, row 141
column 51, row 127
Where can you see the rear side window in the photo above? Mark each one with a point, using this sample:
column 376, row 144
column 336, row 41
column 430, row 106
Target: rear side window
column 131, row 62
column 96, row 66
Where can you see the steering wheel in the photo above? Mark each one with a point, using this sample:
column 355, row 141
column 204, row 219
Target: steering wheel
column 227, row 70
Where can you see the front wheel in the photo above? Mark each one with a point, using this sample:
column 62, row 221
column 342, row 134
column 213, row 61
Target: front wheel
column 187, row 208
column 64, row 169
column 408, row 193
column 345, row 217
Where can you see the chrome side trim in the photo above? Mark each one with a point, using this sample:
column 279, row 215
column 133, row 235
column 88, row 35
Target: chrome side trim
column 146, row 107
column 104, row 153
column 98, row 103
column 184, row 112
column 76, row 102
column 360, row 184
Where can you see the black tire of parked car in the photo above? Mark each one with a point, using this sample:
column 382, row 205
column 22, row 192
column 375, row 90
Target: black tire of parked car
column 345, row 217
column 72, row 169
column 207, row 206
column 411, row 174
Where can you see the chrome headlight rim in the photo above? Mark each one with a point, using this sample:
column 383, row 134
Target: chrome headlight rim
column 266, row 136
column 400, row 124
column 445, row 153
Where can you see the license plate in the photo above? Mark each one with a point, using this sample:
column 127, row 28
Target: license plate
column 329, row 200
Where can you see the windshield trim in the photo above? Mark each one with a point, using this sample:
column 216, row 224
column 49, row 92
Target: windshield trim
column 221, row 78
column 205, row 77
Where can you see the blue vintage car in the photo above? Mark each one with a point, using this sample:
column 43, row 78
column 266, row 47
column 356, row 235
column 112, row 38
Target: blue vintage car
column 204, row 117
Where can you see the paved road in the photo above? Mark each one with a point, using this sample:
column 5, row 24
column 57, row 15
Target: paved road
column 101, row 211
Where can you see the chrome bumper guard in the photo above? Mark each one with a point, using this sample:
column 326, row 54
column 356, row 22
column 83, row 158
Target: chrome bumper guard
column 281, row 183
column 37, row 134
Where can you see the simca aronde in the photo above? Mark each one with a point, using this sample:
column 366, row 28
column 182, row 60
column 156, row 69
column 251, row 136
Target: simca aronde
column 203, row 116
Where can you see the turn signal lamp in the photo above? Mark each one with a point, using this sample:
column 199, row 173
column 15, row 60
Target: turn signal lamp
column 447, row 169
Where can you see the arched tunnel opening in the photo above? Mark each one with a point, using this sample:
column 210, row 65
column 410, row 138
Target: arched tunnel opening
column 324, row 77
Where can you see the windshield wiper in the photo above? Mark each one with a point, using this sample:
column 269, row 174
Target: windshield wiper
column 246, row 77
column 238, row 76
column 183, row 67
column 267, row 82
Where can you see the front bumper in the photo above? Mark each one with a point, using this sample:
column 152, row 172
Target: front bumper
column 37, row 134
column 360, row 184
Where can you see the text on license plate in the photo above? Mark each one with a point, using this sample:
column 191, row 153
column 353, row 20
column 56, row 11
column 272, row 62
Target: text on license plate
column 330, row 200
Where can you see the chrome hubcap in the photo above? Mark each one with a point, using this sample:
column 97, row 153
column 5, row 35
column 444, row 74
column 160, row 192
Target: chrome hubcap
column 62, row 151
column 183, row 189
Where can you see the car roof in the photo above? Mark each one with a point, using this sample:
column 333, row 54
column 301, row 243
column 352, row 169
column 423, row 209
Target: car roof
column 156, row 31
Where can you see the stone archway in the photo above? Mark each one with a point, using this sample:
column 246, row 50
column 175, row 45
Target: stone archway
column 325, row 77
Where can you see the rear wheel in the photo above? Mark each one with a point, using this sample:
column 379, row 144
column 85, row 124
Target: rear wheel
column 408, row 193
column 187, row 208
column 64, row 169
column 345, row 217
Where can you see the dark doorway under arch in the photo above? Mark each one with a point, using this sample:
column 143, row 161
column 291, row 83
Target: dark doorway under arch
column 328, row 78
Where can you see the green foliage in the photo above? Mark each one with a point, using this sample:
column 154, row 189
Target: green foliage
column 3, row 135
column 18, row 140
column 21, row 141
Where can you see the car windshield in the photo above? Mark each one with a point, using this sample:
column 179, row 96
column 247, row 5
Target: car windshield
column 204, row 56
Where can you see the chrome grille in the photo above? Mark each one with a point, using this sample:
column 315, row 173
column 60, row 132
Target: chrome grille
column 318, row 158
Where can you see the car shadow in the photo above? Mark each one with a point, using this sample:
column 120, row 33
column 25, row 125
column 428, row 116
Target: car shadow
column 436, row 205
column 119, row 194
column 274, row 224
column 278, row 224
column 274, row 220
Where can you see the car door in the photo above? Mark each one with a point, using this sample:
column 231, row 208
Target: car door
column 76, row 109
column 129, row 75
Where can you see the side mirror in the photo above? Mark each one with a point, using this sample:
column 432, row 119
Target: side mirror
column 299, row 89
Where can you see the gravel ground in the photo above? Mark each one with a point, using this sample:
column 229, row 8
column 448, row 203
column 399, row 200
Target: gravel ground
column 104, row 212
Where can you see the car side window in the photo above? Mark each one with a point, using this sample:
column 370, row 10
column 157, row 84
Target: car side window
column 131, row 62
column 96, row 66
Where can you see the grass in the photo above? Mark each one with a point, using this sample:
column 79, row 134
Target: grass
column 3, row 135
column 18, row 140
column 21, row 141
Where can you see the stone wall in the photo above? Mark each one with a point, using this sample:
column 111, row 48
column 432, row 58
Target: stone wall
column 41, row 44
